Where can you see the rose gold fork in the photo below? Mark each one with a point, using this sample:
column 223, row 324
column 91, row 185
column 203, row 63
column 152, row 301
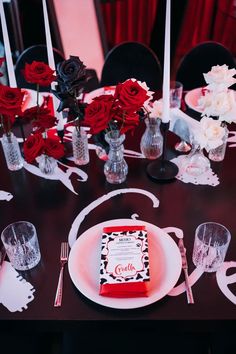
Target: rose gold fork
column 63, row 261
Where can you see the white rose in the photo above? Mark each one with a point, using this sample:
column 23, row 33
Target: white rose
column 154, row 109
column 229, row 115
column 210, row 134
column 219, row 78
column 221, row 104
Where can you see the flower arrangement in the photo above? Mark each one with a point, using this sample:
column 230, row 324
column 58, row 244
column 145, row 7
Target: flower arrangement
column 38, row 143
column 71, row 77
column 210, row 134
column 11, row 100
column 218, row 101
column 120, row 111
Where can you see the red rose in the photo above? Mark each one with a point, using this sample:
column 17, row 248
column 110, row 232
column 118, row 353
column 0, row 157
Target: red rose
column 99, row 113
column 33, row 147
column 54, row 148
column 131, row 95
column 43, row 122
column 38, row 73
column 10, row 100
column 127, row 121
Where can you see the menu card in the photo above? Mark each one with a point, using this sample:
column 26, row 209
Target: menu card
column 124, row 270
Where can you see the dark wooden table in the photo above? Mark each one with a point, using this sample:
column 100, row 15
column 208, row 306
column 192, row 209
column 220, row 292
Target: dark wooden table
column 52, row 208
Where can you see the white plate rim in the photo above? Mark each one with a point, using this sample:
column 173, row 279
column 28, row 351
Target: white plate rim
column 163, row 240
column 188, row 96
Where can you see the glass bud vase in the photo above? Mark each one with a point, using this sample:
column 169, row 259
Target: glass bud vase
column 196, row 163
column 12, row 152
column 47, row 164
column 80, row 146
column 218, row 154
column 151, row 144
column 115, row 168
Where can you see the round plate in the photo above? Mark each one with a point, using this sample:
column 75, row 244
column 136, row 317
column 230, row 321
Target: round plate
column 107, row 90
column 164, row 256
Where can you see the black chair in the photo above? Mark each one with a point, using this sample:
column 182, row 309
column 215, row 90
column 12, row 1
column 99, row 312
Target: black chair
column 38, row 53
column 131, row 60
column 199, row 60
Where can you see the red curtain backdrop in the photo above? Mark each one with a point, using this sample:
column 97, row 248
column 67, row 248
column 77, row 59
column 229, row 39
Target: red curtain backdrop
column 204, row 21
column 129, row 20
column 225, row 24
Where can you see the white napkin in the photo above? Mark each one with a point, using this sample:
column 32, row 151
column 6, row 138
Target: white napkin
column 15, row 291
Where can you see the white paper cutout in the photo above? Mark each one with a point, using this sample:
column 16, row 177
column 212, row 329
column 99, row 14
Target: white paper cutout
column 59, row 174
column 178, row 232
column 80, row 217
column 5, row 196
column 91, row 146
column 15, row 291
column 223, row 280
column 207, row 178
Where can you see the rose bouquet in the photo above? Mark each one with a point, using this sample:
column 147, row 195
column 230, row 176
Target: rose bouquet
column 218, row 101
column 71, row 77
column 210, row 134
column 38, row 146
column 120, row 111
column 11, row 100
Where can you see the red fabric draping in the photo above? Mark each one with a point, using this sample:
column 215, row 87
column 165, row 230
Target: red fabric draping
column 129, row 20
column 207, row 20
column 196, row 26
column 225, row 24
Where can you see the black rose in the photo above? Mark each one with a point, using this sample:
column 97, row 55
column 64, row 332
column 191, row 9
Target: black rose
column 70, row 71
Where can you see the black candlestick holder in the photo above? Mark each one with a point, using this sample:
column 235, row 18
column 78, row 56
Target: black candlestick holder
column 162, row 170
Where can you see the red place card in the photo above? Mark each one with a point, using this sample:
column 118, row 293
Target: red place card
column 124, row 270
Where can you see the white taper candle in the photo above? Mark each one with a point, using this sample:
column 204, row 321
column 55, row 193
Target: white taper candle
column 8, row 54
column 166, row 76
column 51, row 61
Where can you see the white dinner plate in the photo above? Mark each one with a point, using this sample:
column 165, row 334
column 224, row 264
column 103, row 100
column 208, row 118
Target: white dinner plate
column 107, row 90
column 30, row 99
column 165, row 265
column 192, row 97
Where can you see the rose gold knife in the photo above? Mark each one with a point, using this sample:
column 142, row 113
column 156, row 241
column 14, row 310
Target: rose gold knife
column 185, row 269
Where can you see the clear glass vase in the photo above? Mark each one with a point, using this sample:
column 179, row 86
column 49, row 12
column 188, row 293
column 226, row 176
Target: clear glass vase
column 115, row 168
column 196, row 163
column 12, row 152
column 80, row 146
column 151, row 144
column 47, row 164
column 218, row 154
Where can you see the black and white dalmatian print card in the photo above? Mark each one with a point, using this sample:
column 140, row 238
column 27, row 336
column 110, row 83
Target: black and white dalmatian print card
column 124, row 270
